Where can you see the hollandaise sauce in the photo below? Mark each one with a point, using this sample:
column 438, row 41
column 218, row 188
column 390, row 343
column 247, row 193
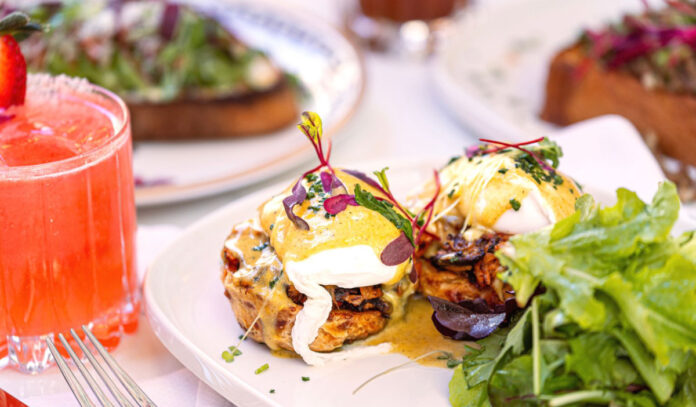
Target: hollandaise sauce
column 415, row 335
column 493, row 193
column 340, row 250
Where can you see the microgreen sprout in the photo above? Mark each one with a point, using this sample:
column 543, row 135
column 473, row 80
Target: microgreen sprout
column 231, row 352
column 324, row 187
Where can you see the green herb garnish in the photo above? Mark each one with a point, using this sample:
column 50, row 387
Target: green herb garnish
column 260, row 247
column 515, row 204
column 453, row 159
column 261, row 369
column 229, row 355
column 167, row 51
column 275, row 279
column 305, row 378
column 386, row 209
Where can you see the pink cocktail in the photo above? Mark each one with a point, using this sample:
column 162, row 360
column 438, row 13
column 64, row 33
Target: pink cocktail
column 67, row 219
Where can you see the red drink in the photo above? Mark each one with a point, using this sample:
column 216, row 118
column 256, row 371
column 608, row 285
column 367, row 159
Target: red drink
column 67, row 219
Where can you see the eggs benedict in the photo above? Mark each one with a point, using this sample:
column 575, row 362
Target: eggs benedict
column 494, row 191
column 325, row 263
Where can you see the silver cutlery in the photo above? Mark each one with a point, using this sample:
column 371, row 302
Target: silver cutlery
column 118, row 398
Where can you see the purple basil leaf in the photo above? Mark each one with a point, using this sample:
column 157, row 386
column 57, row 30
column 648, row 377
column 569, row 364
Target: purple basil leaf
column 397, row 251
column 413, row 275
column 298, row 196
column 170, row 16
column 326, row 181
column 337, row 204
column 461, row 323
column 472, row 151
column 330, row 182
column 363, row 177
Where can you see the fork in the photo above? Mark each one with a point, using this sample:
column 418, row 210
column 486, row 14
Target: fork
column 137, row 394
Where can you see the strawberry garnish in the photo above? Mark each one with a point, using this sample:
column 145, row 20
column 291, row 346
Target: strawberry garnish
column 13, row 68
column 13, row 72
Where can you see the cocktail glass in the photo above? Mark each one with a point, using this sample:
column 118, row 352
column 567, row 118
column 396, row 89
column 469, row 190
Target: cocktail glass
column 67, row 219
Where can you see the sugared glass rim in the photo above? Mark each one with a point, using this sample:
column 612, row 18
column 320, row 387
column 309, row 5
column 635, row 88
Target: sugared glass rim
column 71, row 164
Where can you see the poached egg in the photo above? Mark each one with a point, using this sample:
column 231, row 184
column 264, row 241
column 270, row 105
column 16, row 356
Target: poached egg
column 493, row 193
column 341, row 250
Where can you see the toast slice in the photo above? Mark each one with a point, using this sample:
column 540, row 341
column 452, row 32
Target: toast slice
column 579, row 88
column 235, row 116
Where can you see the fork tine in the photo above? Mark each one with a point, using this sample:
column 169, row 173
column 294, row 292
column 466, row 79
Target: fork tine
column 70, row 378
column 85, row 373
column 113, row 389
column 135, row 391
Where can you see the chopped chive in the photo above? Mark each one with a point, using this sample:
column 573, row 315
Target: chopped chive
column 515, row 204
column 272, row 225
column 229, row 355
column 305, row 378
column 272, row 391
column 449, row 195
column 273, row 282
column 260, row 247
column 261, row 369
column 453, row 159
column 503, row 170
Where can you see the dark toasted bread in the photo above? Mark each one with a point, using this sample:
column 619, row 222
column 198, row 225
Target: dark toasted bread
column 579, row 88
column 244, row 115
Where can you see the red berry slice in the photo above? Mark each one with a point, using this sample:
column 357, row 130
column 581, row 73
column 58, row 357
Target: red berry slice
column 13, row 73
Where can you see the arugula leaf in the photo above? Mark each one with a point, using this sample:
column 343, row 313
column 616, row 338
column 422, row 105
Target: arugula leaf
column 386, row 209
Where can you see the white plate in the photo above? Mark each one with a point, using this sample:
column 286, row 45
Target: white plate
column 492, row 72
column 329, row 69
column 189, row 313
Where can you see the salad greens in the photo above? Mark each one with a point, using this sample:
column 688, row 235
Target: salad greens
column 148, row 50
column 616, row 324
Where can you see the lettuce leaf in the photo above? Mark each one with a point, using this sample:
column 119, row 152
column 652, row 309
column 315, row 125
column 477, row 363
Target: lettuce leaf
column 619, row 276
column 598, row 359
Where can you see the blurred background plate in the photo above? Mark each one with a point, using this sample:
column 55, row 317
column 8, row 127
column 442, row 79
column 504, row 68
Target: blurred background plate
column 330, row 72
column 491, row 74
